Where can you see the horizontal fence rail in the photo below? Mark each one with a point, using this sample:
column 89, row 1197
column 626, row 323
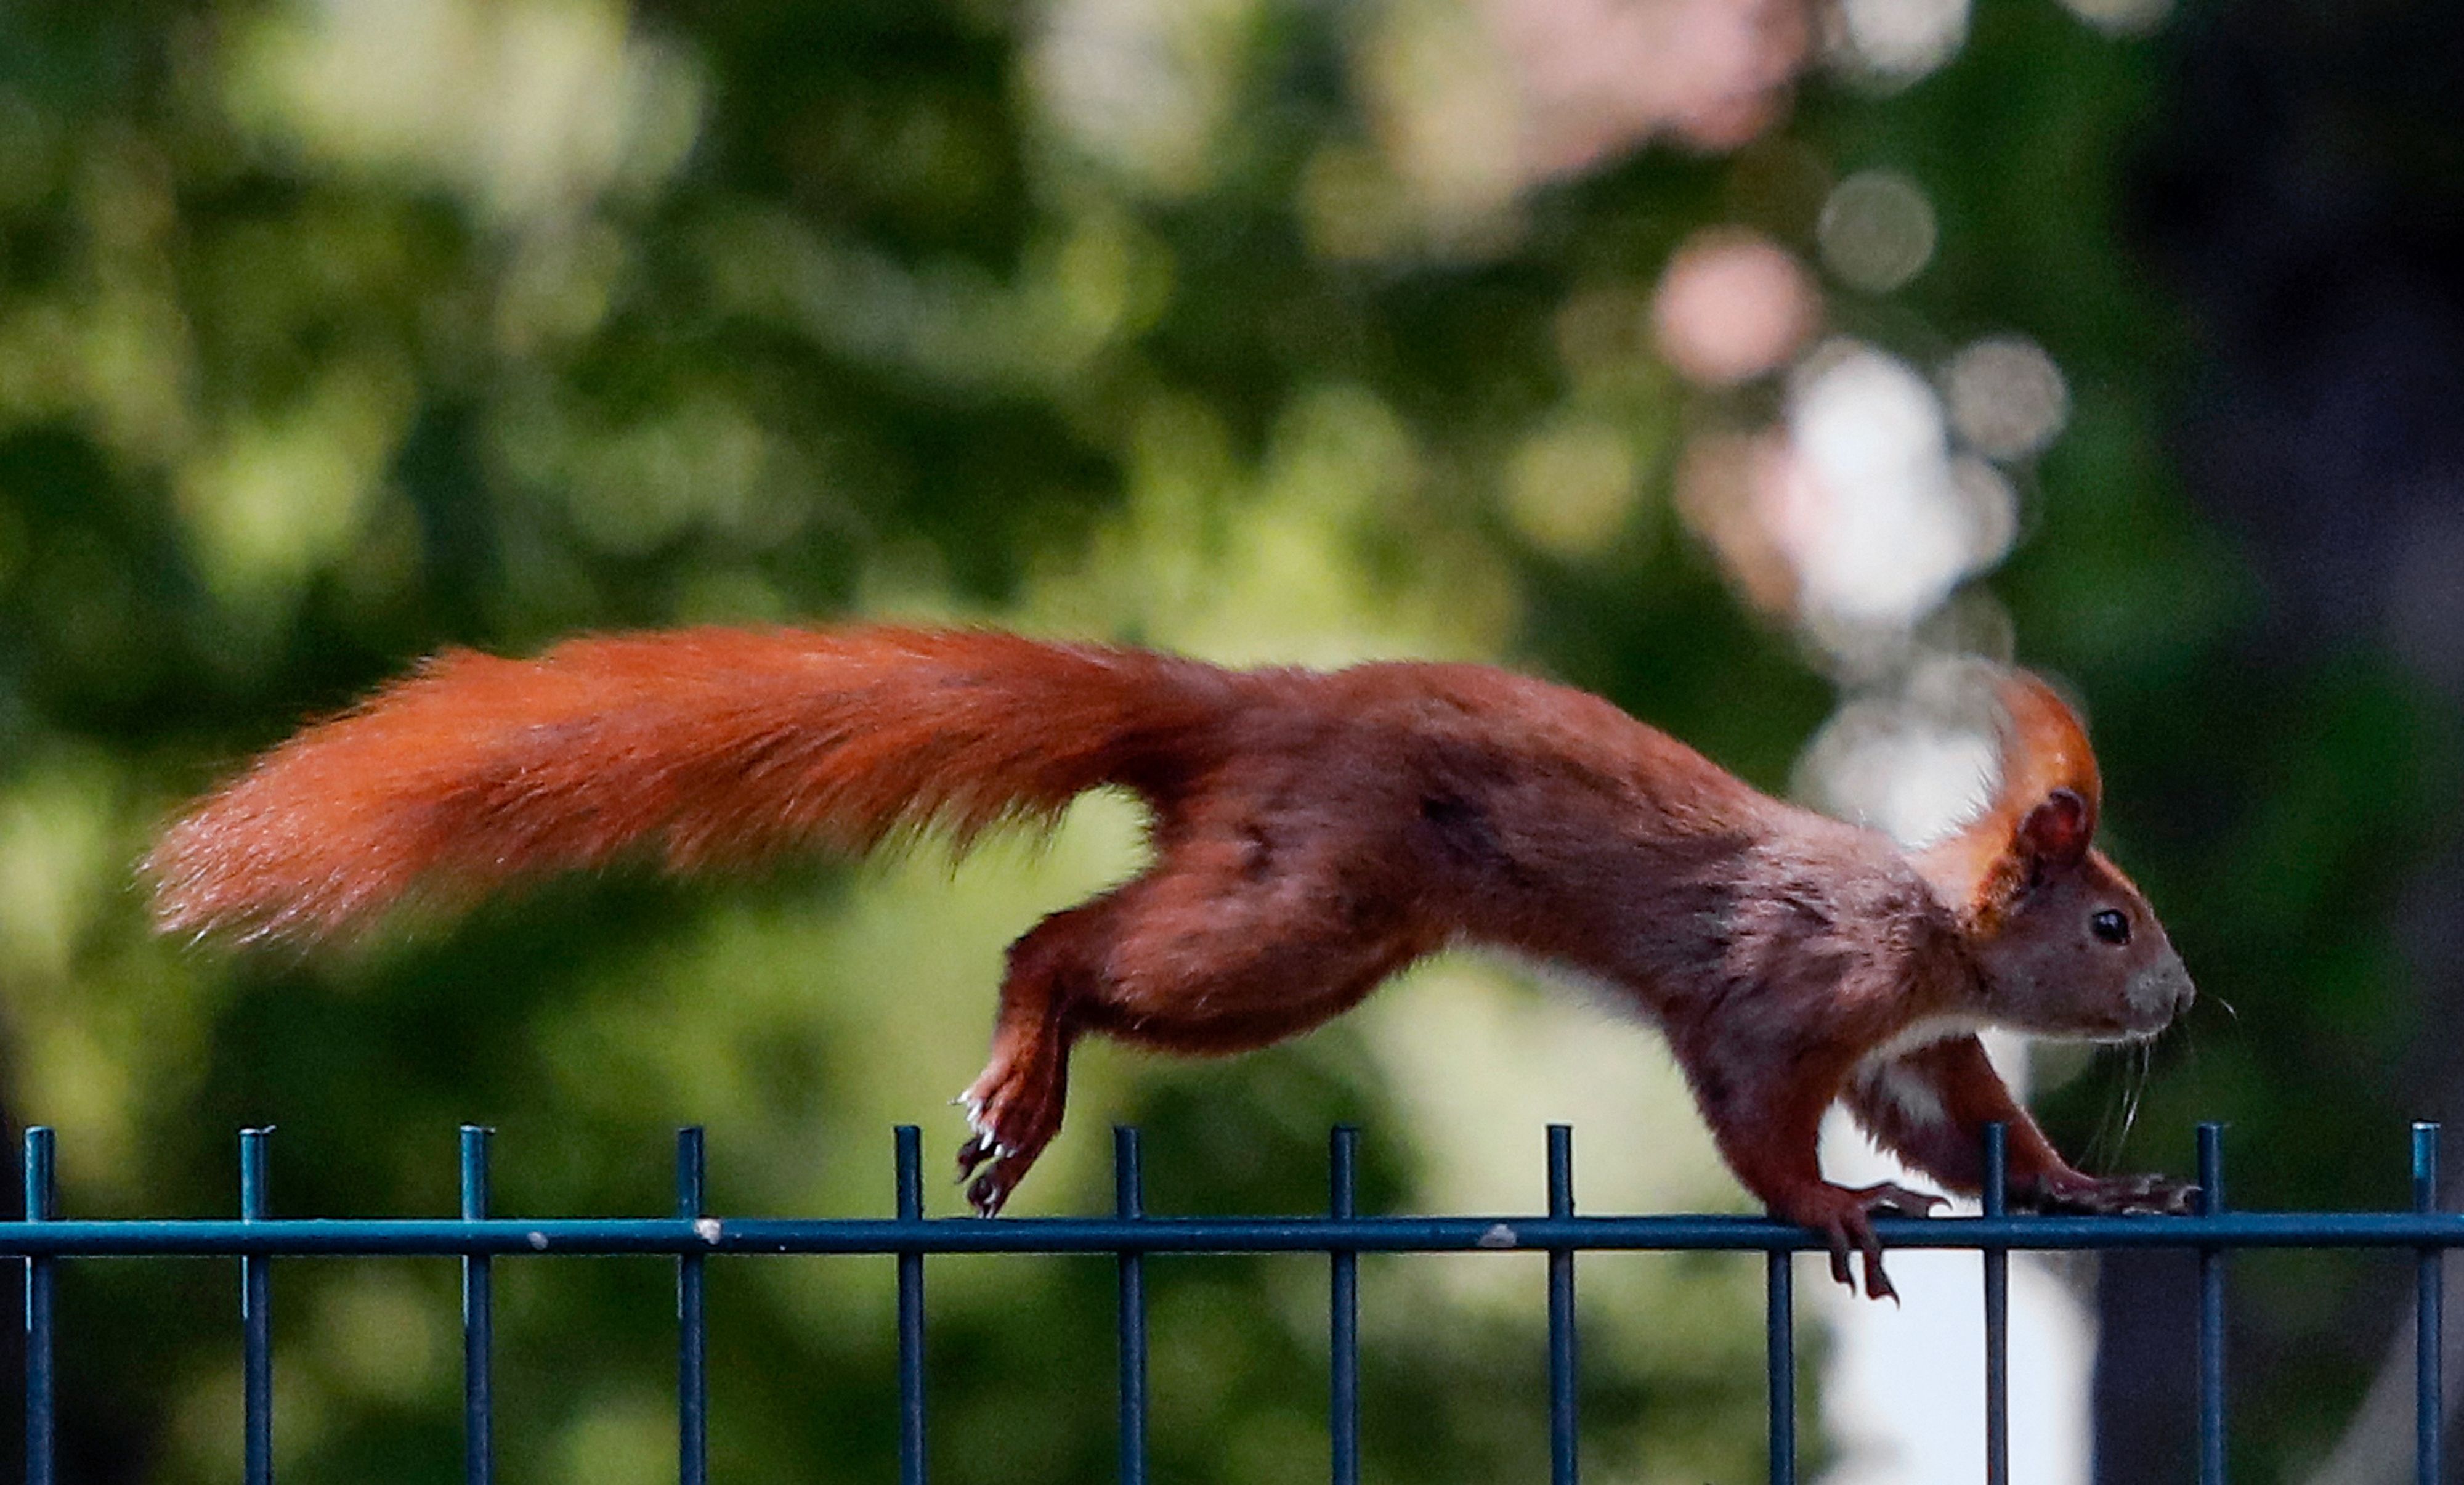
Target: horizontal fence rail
column 610, row 1236
column 45, row 1238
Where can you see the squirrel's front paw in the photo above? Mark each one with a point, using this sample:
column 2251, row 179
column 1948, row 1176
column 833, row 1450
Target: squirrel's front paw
column 2084, row 1195
column 1844, row 1217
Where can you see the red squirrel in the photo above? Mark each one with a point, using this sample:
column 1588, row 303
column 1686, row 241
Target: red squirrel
column 1313, row 832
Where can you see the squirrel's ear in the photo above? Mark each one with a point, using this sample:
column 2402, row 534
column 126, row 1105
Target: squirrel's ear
column 2056, row 831
column 2044, row 750
column 2042, row 816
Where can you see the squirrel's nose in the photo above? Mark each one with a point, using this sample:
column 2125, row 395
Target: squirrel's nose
column 2180, row 992
column 2164, row 989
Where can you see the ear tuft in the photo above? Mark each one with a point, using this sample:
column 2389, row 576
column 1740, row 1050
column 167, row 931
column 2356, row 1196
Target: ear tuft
column 2042, row 815
column 2044, row 748
column 2056, row 831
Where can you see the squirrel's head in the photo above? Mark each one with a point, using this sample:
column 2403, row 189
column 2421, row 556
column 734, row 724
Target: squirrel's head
column 2065, row 945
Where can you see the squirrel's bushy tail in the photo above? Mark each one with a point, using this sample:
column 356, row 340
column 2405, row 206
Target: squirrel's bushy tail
column 703, row 745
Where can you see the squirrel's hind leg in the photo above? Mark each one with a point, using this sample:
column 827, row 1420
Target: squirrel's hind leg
column 1205, row 954
column 1014, row 1106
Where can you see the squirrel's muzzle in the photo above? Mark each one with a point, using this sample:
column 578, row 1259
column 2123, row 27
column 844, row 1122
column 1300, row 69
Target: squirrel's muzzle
column 2160, row 994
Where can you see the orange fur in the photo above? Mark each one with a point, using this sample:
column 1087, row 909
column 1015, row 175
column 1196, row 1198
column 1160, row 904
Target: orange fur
column 2044, row 748
column 1313, row 832
column 708, row 744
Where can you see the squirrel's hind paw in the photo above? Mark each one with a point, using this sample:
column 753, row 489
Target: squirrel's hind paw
column 1011, row 1117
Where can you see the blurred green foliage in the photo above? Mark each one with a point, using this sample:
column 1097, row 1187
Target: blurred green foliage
column 333, row 334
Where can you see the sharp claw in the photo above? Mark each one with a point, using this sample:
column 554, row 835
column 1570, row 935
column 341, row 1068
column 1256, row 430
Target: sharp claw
column 1878, row 1284
column 986, row 1195
column 1900, row 1201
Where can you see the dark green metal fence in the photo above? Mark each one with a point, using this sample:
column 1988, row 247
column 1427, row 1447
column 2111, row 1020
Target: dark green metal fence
column 46, row 1239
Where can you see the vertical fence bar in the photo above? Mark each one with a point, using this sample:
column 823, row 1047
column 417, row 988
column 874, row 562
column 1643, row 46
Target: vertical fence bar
column 257, row 1316
column 478, row 1322
column 1343, row 1313
column 1562, row 1419
column 2428, row 1320
column 42, row 1419
column 1779, row 1357
column 2212, row 1311
column 911, row 1311
column 1130, row 1201
column 1997, row 1312
column 692, row 1378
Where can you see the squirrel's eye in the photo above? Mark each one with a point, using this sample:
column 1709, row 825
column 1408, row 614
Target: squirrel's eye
column 2110, row 926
